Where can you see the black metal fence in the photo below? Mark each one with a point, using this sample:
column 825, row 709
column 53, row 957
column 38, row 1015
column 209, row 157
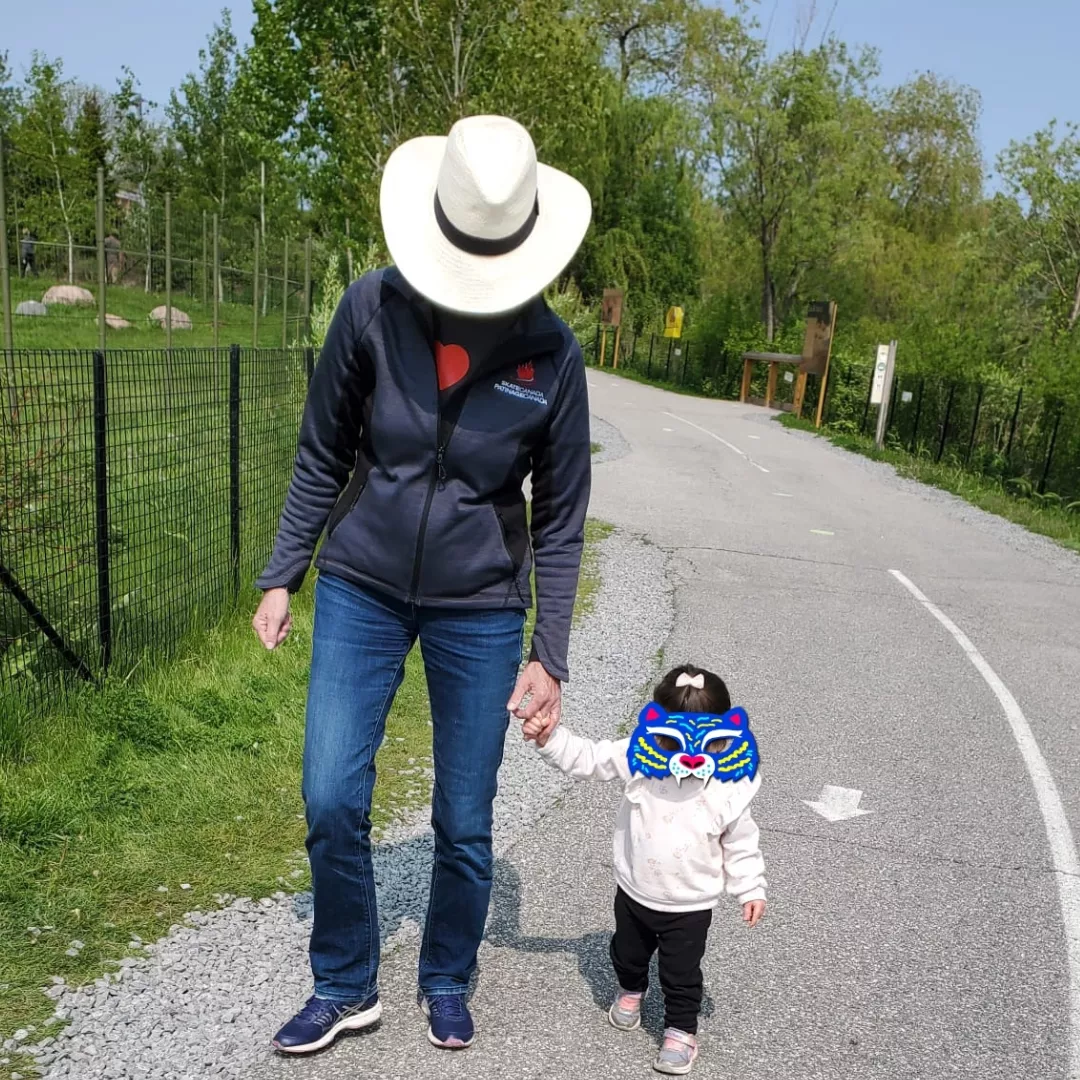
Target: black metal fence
column 139, row 492
column 1014, row 433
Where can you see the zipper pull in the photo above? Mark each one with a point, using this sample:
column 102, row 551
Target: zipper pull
column 440, row 454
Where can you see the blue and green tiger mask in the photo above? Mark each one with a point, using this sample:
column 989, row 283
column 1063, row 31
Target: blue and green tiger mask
column 704, row 745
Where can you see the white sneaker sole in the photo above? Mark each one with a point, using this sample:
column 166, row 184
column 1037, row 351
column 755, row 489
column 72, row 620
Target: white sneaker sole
column 457, row 1044
column 674, row 1070
column 622, row 1027
column 349, row 1023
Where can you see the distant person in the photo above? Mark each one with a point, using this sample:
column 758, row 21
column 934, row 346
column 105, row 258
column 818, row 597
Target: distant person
column 443, row 382
column 683, row 837
column 26, row 253
column 112, row 258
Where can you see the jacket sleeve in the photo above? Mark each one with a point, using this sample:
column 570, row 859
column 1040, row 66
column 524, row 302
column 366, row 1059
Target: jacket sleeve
column 744, row 865
column 584, row 759
column 326, row 452
column 561, row 481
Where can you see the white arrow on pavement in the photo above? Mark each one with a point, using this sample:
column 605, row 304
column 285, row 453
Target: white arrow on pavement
column 837, row 803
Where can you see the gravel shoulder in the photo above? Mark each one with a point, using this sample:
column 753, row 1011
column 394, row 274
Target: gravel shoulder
column 205, row 999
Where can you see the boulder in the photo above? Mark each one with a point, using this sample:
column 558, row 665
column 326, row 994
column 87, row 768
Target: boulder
column 114, row 322
column 31, row 307
column 180, row 319
column 68, row 294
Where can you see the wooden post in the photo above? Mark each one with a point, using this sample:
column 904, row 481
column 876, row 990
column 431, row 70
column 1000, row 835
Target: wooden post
column 101, row 306
column 618, row 338
column 603, row 343
column 205, row 268
column 168, row 273
column 800, row 393
column 747, row 375
column 217, row 275
column 285, row 297
column 307, row 288
column 825, row 373
column 770, row 386
column 255, row 295
column 5, row 282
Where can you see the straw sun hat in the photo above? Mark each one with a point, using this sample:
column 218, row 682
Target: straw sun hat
column 474, row 222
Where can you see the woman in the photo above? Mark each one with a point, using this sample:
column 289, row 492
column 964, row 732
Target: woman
column 443, row 382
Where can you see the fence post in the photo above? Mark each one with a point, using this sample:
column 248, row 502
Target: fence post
column 255, row 295
column 309, row 363
column 168, row 278
column 100, row 223
column 234, row 466
column 652, row 345
column 918, row 417
column 5, row 280
column 204, row 253
column 101, row 508
column 307, row 287
column 217, row 275
column 1050, row 450
column 285, row 297
column 945, row 425
column 1012, row 426
column 974, row 425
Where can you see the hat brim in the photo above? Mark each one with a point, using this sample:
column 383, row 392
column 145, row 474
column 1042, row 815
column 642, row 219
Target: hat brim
column 475, row 284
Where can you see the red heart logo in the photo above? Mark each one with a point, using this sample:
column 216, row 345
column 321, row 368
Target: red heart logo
column 451, row 363
column 692, row 763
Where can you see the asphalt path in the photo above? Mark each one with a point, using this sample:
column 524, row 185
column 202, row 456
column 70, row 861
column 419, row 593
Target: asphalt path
column 936, row 935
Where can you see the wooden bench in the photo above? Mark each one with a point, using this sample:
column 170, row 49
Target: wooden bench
column 814, row 360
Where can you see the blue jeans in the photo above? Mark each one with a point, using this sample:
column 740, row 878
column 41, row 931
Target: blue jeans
column 471, row 659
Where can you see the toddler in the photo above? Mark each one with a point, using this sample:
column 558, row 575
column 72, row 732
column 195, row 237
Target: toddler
column 683, row 835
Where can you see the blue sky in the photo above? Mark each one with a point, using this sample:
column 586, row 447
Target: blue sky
column 1019, row 56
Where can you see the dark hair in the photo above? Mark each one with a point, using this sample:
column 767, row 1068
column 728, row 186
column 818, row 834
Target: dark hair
column 712, row 698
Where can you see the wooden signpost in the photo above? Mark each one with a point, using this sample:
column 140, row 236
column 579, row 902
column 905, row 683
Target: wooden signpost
column 611, row 315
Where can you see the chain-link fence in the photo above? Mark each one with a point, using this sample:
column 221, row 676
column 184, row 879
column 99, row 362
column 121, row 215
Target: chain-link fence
column 139, row 492
column 247, row 278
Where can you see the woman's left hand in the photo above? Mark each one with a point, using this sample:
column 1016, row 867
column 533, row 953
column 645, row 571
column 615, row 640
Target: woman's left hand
column 544, row 695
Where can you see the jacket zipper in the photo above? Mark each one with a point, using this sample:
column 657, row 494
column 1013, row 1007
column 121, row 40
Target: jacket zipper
column 437, row 482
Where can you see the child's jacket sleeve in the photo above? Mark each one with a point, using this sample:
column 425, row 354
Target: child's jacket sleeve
column 744, row 865
column 585, row 759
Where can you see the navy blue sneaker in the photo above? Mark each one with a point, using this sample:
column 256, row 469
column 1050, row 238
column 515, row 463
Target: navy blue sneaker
column 321, row 1021
column 451, row 1026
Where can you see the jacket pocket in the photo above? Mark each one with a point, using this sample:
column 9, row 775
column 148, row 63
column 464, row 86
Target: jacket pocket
column 346, row 504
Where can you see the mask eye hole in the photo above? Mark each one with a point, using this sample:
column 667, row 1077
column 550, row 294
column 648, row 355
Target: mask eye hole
column 668, row 739
column 716, row 742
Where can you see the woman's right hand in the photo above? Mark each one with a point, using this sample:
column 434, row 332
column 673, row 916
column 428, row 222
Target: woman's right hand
column 272, row 620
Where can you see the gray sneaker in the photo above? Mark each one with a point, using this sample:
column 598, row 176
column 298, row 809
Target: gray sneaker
column 677, row 1053
column 625, row 1011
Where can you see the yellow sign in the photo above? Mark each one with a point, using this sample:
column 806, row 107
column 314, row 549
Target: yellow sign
column 673, row 322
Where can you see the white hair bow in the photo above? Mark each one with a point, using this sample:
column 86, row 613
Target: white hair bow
column 686, row 679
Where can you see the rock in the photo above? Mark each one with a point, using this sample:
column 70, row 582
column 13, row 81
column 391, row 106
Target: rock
column 114, row 322
column 31, row 307
column 68, row 294
column 180, row 319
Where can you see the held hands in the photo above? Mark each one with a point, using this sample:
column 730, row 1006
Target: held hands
column 752, row 912
column 272, row 621
column 537, row 702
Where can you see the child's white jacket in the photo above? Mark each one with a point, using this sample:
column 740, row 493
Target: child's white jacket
column 676, row 847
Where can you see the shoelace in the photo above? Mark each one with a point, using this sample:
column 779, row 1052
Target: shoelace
column 446, row 1006
column 319, row 1011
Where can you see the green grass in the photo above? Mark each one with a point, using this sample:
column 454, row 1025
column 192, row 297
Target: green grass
column 988, row 493
column 75, row 327
column 189, row 776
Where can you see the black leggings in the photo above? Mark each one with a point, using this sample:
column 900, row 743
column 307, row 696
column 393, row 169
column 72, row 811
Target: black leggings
column 679, row 937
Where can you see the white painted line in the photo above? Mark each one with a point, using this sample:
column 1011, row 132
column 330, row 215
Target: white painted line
column 783, row 495
column 669, row 429
column 713, row 435
column 753, row 436
column 1063, row 852
column 822, row 532
column 838, row 803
